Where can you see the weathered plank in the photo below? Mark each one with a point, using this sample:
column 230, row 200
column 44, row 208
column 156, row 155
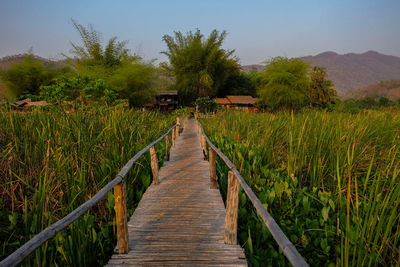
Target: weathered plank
column 180, row 221
column 120, row 214
column 213, row 169
column 154, row 164
column 232, row 202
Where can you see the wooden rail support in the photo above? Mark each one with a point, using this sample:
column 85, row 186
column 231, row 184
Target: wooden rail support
column 120, row 214
column 231, row 216
column 154, row 164
column 173, row 137
column 213, row 169
column 167, row 147
column 203, row 143
column 178, row 124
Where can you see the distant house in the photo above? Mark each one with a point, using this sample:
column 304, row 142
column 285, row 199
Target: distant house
column 242, row 102
column 28, row 103
column 165, row 101
column 223, row 102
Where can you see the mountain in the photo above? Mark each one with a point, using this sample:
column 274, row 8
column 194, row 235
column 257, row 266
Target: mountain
column 351, row 71
column 6, row 62
column 253, row 67
column 389, row 89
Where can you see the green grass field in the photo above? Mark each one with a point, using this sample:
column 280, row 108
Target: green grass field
column 52, row 161
column 330, row 180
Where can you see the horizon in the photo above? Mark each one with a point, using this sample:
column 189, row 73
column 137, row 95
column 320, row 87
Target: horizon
column 257, row 31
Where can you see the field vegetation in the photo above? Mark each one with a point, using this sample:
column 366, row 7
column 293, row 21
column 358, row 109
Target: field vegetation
column 330, row 180
column 52, row 161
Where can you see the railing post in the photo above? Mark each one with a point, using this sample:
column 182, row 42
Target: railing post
column 154, row 164
column 232, row 202
column 203, row 142
column 120, row 214
column 178, row 123
column 167, row 146
column 173, row 137
column 213, row 169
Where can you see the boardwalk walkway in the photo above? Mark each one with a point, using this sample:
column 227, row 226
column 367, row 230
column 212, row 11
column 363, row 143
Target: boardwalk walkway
column 180, row 221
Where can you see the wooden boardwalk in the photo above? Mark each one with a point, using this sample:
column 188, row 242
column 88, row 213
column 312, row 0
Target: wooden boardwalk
column 180, row 221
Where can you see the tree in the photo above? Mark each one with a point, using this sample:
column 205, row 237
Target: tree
column 321, row 92
column 239, row 83
column 200, row 65
column 27, row 77
column 284, row 84
column 128, row 75
column 205, row 104
column 136, row 81
column 92, row 54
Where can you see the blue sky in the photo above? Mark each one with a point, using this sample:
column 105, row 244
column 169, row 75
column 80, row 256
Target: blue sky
column 257, row 30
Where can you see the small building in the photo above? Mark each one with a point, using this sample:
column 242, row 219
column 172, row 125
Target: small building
column 165, row 101
column 242, row 102
column 223, row 102
column 28, row 103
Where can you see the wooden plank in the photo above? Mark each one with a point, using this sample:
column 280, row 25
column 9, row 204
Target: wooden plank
column 181, row 220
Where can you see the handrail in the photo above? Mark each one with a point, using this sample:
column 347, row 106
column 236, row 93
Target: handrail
column 284, row 243
column 21, row 253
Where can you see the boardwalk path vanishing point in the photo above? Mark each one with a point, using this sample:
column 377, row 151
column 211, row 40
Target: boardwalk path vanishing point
column 180, row 221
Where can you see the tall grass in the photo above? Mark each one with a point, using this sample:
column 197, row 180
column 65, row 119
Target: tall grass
column 329, row 179
column 51, row 162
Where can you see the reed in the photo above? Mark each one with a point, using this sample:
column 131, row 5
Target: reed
column 329, row 179
column 51, row 161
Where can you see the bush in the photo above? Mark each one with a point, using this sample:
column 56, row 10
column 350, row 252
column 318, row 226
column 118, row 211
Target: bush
column 27, row 77
column 205, row 104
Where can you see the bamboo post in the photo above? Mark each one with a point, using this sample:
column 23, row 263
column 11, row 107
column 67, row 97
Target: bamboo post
column 203, row 142
column 173, row 137
column 167, row 146
column 213, row 169
column 232, row 202
column 154, row 164
column 120, row 214
column 178, row 122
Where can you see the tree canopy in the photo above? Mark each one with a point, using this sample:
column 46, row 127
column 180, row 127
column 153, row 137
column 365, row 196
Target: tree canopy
column 126, row 74
column 321, row 92
column 26, row 77
column 201, row 66
column 284, row 84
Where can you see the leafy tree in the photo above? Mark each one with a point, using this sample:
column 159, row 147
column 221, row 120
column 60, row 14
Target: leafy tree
column 284, row 84
column 200, row 65
column 239, row 83
column 93, row 56
column 136, row 81
column 82, row 87
column 205, row 104
column 321, row 92
column 27, row 77
column 128, row 75
column 385, row 102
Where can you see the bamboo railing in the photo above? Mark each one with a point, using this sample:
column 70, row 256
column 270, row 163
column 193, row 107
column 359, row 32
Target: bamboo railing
column 118, row 185
column 235, row 180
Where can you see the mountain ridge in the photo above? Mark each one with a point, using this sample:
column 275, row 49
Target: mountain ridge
column 351, row 70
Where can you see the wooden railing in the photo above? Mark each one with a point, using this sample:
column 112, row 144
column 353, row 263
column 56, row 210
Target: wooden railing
column 120, row 203
column 235, row 180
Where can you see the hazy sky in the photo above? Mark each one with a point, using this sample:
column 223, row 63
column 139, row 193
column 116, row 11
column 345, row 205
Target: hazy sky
column 257, row 30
